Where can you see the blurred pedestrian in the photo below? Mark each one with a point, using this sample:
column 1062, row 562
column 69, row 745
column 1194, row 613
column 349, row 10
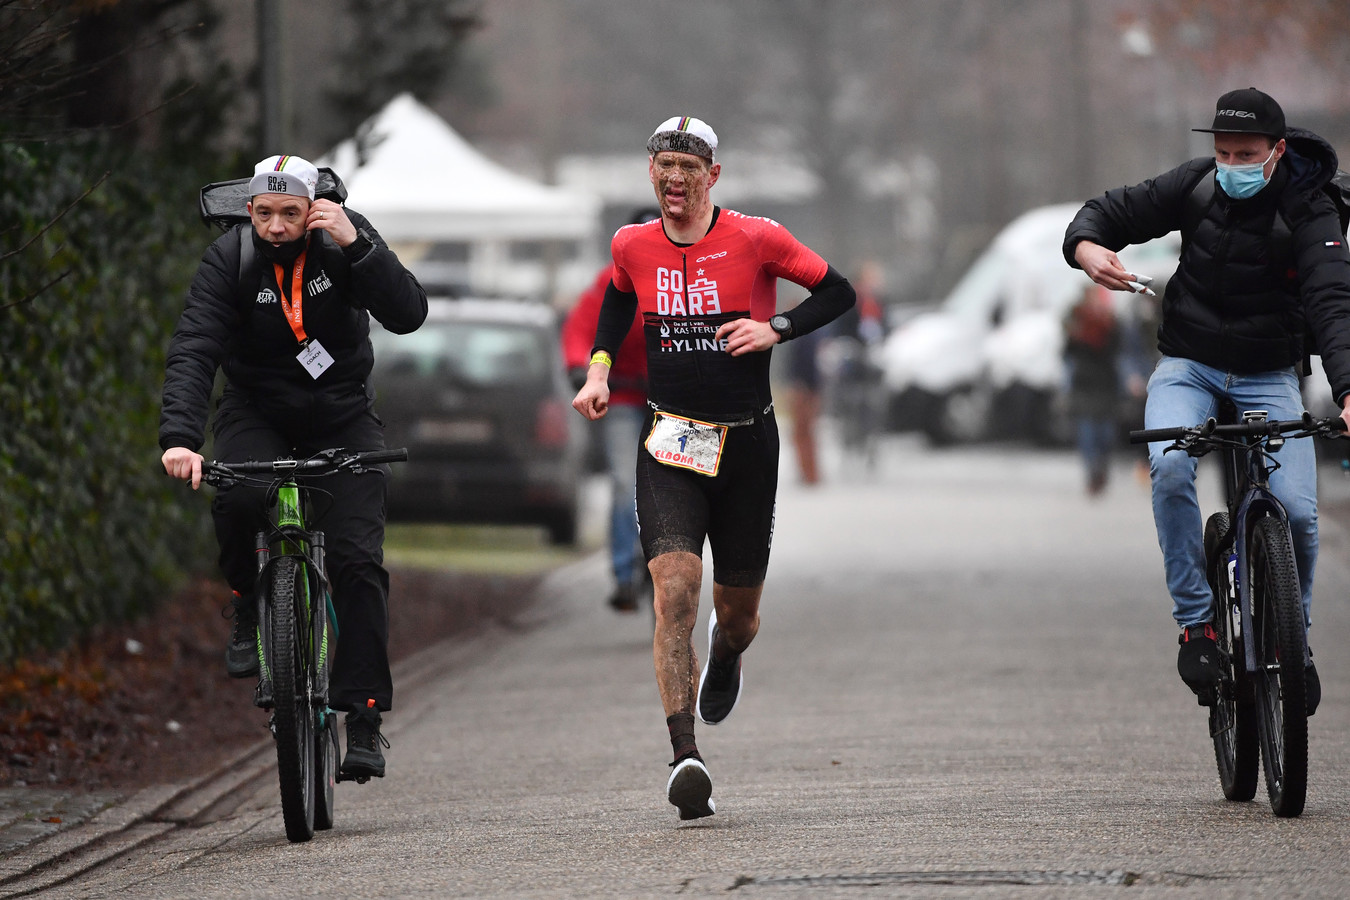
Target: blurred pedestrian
column 804, row 388
column 704, row 279
column 282, row 305
column 1092, row 344
column 620, row 429
column 1263, row 260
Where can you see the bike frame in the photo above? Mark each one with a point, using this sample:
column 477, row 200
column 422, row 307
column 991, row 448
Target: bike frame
column 1248, row 494
column 290, row 537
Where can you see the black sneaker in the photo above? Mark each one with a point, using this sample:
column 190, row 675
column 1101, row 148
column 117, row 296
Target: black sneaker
column 719, row 687
column 624, row 598
column 241, row 655
column 690, row 788
column 1312, row 686
column 364, row 758
column 1198, row 660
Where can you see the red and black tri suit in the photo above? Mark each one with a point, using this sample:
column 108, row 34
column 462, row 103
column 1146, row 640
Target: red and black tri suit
column 685, row 293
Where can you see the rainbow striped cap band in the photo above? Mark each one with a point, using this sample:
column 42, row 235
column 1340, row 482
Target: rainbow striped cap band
column 684, row 134
column 284, row 175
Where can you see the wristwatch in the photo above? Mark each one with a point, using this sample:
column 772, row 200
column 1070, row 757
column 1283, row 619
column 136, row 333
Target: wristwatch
column 783, row 325
column 358, row 248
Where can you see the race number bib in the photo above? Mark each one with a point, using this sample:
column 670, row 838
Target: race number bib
column 686, row 443
column 314, row 358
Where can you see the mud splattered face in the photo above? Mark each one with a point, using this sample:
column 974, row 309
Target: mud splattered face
column 682, row 181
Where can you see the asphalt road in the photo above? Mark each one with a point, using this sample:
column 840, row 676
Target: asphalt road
column 964, row 685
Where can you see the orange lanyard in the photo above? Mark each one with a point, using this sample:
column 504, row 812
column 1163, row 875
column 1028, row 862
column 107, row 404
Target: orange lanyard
column 293, row 308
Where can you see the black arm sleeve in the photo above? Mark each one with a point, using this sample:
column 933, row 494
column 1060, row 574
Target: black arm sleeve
column 830, row 298
column 616, row 317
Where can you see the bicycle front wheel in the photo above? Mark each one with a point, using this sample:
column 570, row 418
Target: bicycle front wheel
column 293, row 717
column 1281, row 645
column 1232, row 719
column 326, row 735
column 325, row 770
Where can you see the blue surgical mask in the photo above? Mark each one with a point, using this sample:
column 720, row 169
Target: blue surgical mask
column 1241, row 182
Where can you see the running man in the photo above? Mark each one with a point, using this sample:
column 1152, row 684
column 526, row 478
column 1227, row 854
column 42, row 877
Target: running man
column 705, row 280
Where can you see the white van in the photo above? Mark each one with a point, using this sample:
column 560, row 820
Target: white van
column 996, row 342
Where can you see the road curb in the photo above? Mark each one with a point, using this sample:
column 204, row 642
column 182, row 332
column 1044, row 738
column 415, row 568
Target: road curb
column 154, row 811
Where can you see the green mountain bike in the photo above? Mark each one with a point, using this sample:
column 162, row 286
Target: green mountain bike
column 295, row 621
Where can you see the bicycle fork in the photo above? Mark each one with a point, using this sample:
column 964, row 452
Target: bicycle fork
column 262, row 552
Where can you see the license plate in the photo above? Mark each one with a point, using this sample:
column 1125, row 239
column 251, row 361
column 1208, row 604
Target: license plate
column 452, row 431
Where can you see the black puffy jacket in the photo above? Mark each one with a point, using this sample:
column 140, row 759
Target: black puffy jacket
column 244, row 332
column 1252, row 272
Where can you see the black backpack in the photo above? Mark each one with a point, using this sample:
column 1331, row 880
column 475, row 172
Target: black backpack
column 225, row 204
column 1338, row 189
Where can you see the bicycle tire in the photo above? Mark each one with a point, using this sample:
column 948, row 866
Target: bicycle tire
column 1232, row 719
column 325, row 770
column 326, row 735
column 1281, row 689
column 293, row 717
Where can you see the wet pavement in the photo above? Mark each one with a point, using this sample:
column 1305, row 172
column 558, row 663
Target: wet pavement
column 964, row 681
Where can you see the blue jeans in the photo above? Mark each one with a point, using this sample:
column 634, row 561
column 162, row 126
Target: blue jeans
column 1185, row 392
column 622, row 427
column 1096, row 437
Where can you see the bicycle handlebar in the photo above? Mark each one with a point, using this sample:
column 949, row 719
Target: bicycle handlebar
column 1264, row 427
column 324, row 463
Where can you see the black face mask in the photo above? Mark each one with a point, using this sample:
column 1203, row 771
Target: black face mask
column 284, row 253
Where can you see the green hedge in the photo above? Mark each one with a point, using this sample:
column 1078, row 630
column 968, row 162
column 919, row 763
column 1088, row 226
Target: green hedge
column 91, row 530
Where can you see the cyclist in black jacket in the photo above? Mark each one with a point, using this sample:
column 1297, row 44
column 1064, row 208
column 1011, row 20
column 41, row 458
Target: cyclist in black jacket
column 292, row 335
column 1263, row 257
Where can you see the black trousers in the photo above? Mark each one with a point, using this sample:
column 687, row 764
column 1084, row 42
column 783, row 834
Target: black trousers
column 350, row 511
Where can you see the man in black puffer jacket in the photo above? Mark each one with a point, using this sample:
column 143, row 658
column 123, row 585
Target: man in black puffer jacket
column 294, row 344
column 1263, row 258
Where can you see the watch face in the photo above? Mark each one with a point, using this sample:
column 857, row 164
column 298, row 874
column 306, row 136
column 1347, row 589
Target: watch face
column 780, row 324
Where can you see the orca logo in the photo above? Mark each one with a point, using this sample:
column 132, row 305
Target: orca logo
column 712, row 256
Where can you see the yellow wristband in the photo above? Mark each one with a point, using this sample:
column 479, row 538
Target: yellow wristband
column 600, row 356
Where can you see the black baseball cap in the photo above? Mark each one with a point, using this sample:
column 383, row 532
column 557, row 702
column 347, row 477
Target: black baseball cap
column 1247, row 111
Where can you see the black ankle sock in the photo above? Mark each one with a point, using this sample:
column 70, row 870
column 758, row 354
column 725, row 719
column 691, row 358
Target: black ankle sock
column 681, row 728
column 721, row 647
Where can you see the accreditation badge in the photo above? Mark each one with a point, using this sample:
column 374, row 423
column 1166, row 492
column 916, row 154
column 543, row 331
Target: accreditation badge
column 314, row 358
column 686, row 443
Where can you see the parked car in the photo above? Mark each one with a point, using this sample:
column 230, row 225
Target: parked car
column 988, row 359
column 479, row 397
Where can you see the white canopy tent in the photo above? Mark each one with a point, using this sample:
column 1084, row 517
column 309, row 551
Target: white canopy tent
column 421, row 184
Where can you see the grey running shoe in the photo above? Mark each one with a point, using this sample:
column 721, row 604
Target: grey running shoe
column 241, row 654
column 690, row 789
column 719, row 687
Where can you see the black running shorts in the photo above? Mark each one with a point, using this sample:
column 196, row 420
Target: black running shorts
column 677, row 509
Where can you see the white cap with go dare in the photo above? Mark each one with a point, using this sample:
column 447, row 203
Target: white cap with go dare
column 284, row 175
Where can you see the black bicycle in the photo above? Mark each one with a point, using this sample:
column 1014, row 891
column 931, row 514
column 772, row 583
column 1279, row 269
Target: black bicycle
column 1259, row 709
column 295, row 619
